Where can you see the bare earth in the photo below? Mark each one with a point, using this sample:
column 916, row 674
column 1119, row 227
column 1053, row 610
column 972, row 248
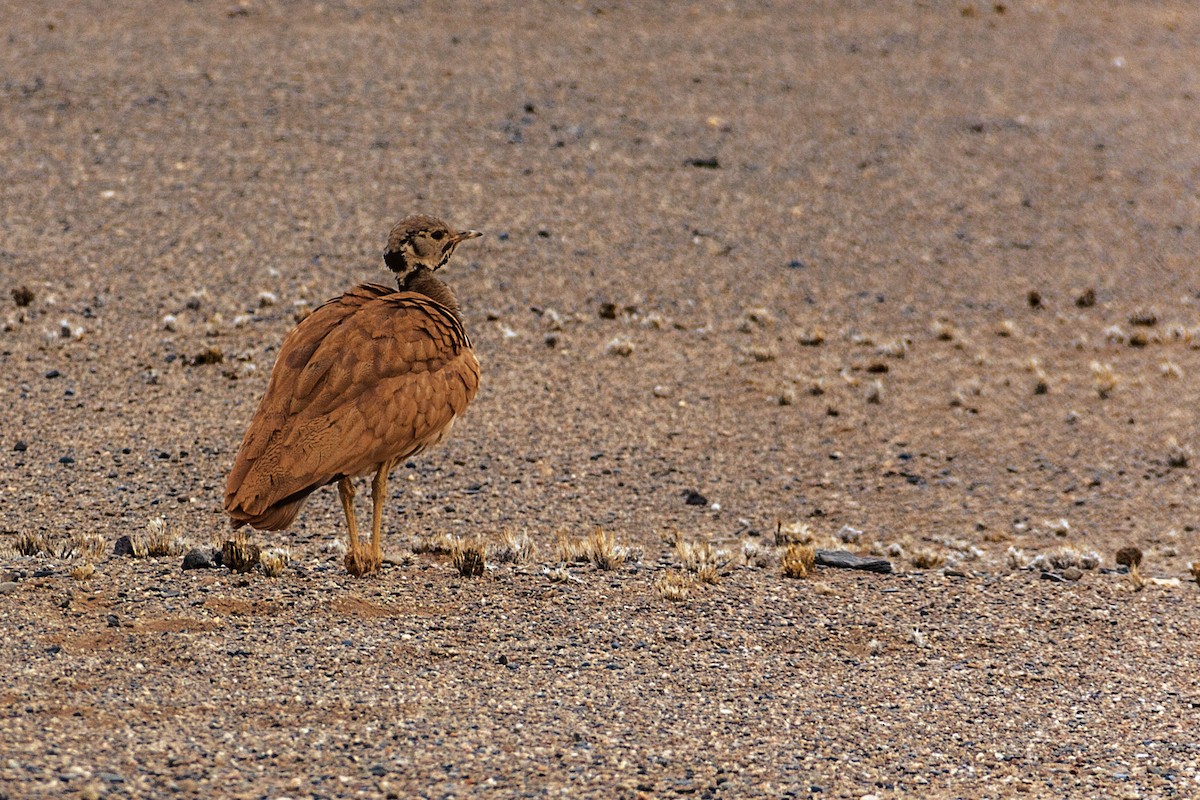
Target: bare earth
column 828, row 267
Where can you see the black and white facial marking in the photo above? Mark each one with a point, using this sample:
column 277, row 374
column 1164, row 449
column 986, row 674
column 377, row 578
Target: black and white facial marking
column 422, row 241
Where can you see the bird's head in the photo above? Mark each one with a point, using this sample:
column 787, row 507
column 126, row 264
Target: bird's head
column 422, row 241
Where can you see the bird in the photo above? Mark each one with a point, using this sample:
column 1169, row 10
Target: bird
column 366, row 381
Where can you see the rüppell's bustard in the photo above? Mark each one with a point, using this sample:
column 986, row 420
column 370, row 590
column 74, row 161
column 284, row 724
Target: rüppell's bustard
column 367, row 380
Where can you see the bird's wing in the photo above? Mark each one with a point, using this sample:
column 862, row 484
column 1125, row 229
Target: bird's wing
column 372, row 376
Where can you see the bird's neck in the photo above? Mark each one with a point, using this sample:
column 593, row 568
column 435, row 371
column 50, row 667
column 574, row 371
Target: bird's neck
column 421, row 280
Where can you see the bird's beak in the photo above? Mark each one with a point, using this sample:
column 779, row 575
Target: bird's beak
column 462, row 236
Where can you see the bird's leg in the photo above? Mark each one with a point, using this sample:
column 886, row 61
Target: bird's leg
column 356, row 561
column 378, row 495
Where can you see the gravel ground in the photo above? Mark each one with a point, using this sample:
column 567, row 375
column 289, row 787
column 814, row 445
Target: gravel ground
column 915, row 281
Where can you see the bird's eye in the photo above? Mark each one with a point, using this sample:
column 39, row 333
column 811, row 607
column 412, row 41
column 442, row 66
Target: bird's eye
column 437, row 236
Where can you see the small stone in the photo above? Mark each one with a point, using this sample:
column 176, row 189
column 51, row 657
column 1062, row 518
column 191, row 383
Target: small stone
column 694, row 498
column 619, row 346
column 123, row 546
column 66, row 460
column 201, row 558
column 608, row 311
column 53, row 374
column 22, row 295
column 1129, row 556
column 8, row 587
column 1072, row 573
column 20, row 446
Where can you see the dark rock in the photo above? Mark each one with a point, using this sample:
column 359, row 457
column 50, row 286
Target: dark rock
column 53, row 374
column 694, row 498
column 843, row 559
column 704, row 163
column 202, row 558
column 21, row 446
column 123, row 546
column 22, row 295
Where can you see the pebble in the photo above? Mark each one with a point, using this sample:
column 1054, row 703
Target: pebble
column 201, row 558
column 694, row 498
column 8, row 587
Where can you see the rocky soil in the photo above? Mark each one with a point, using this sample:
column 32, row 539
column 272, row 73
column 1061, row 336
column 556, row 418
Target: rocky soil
column 917, row 282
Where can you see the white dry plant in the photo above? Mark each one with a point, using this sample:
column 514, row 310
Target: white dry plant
column 675, row 586
column 1104, row 379
column 757, row 554
column 514, row 547
column 1065, row 558
column 274, row 560
column 158, row 538
column 702, row 559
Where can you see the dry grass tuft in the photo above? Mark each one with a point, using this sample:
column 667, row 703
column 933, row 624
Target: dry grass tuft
column 1194, row 568
column 599, row 547
column 1065, row 558
column 85, row 546
column 158, row 539
column 604, row 550
column 438, row 544
column 514, row 547
column 798, row 560
column 702, row 559
column 240, row 554
column 792, row 533
column 758, row 555
column 1104, row 379
column 275, row 560
column 470, row 559
column 30, row 543
column 675, row 586
column 570, row 549
column 927, row 559
column 84, row 571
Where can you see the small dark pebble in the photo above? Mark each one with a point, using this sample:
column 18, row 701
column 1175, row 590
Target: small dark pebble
column 123, row 546
column 22, row 295
column 112, row 621
column 608, row 311
column 111, row 777
column 1087, row 299
column 45, row 572
column 202, row 558
column 53, row 373
column 20, row 446
column 66, row 460
column 1053, row 576
column 694, row 498
column 1072, row 573
column 1129, row 556
column 503, row 659
column 704, row 163
column 1035, row 298
column 54, row 649
column 795, row 263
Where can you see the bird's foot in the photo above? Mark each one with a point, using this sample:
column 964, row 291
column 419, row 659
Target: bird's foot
column 362, row 560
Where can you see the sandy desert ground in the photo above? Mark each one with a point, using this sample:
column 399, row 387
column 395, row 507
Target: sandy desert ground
column 913, row 280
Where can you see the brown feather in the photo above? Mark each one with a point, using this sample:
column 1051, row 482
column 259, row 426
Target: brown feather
column 373, row 376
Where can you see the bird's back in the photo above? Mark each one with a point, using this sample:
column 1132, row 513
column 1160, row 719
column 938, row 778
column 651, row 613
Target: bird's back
column 372, row 376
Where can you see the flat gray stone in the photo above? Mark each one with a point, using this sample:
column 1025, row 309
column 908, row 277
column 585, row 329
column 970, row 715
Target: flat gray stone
column 843, row 559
